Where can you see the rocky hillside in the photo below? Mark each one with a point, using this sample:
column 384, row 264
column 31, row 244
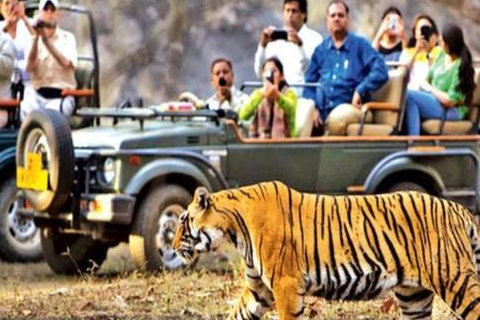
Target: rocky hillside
column 157, row 48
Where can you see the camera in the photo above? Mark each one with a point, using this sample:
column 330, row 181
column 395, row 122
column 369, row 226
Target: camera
column 393, row 23
column 268, row 74
column 222, row 82
column 426, row 32
column 279, row 35
column 43, row 24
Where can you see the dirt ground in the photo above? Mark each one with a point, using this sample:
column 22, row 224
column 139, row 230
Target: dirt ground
column 117, row 291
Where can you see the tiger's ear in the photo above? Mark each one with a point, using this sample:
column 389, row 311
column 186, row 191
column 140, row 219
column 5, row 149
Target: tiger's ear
column 202, row 197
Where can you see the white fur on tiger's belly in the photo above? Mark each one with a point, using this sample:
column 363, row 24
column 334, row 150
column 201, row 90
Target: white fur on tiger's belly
column 353, row 287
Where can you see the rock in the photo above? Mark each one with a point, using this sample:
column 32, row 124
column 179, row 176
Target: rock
column 471, row 9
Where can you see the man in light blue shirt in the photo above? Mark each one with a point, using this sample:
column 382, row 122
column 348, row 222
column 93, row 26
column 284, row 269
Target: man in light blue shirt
column 348, row 69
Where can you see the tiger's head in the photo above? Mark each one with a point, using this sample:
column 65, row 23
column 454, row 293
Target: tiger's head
column 200, row 229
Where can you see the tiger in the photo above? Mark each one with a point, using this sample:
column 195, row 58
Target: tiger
column 356, row 247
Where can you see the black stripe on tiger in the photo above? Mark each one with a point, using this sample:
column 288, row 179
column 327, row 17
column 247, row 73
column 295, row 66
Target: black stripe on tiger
column 316, row 255
column 470, row 308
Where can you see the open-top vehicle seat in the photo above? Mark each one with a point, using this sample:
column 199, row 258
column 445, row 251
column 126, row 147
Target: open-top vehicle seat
column 84, row 77
column 84, row 94
column 304, row 117
column 387, row 107
column 469, row 125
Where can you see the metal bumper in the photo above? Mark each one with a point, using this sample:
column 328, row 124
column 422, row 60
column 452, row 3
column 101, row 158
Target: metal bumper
column 109, row 208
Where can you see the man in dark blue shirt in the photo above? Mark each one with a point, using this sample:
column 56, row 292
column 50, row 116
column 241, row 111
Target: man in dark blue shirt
column 348, row 69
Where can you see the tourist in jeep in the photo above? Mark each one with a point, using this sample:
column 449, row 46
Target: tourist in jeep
column 390, row 38
column 226, row 96
column 294, row 45
column 7, row 63
column 450, row 84
column 421, row 50
column 273, row 107
column 349, row 70
column 51, row 61
column 17, row 25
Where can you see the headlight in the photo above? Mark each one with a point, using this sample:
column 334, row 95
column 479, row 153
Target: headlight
column 108, row 170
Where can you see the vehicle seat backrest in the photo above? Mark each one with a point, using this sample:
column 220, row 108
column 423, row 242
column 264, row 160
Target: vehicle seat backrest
column 393, row 91
column 84, row 78
column 84, row 74
column 304, row 117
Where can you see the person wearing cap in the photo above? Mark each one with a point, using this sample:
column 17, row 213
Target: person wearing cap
column 51, row 62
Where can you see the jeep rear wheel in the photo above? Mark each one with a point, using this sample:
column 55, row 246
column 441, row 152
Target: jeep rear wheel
column 19, row 237
column 151, row 240
column 47, row 133
column 72, row 253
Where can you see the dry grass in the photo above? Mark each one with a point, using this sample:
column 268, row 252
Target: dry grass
column 32, row 291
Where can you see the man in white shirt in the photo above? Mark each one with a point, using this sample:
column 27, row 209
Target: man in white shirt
column 51, row 61
column 226, row 96
column 294, row 52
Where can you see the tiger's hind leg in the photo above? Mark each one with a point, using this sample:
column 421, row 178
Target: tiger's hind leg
column 414, row 302
column 254, row 302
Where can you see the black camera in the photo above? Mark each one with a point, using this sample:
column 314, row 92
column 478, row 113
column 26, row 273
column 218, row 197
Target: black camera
column 43, row 24
column 279, row 35
column 268, row 74
column 426, row 32
column 222, row 82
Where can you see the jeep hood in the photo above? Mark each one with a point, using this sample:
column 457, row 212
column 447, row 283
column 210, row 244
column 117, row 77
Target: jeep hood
column 154, row 134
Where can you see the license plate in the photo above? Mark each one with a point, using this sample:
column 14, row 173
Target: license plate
column 32, row 176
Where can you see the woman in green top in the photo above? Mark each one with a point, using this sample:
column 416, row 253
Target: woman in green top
column 273, row 106
column 450, row 84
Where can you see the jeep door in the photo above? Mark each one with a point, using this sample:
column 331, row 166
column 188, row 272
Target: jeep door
column 293, row 162
column 345, row 163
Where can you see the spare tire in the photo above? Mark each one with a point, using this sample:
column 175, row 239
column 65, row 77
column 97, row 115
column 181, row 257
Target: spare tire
column 47, row 132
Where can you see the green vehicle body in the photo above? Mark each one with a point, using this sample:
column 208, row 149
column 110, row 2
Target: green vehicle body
column 174, row 151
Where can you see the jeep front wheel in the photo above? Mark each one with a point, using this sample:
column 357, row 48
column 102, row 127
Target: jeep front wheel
column 151, row 240
column 19, row 237
column 71, row 254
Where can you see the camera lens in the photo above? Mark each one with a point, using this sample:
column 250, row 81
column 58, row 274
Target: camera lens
column 426, row 32
column 268, row 74
column 222, row 82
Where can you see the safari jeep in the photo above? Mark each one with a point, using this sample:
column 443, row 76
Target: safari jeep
column 129, row 177
column 19, row 237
